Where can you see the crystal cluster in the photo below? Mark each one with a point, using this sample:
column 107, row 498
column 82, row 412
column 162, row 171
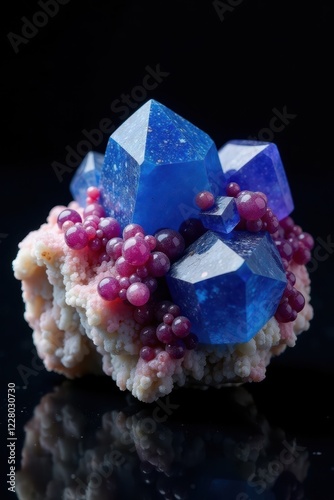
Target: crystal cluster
column 175, row 264
column 228, row 283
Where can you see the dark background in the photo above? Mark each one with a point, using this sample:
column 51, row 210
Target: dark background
column 227, row 69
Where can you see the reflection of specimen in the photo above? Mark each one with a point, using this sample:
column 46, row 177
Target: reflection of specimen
column 130, row 451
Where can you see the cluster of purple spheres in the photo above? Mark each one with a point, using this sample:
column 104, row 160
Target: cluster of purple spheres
column 137, row 262
column 163, row 326
column 294, row 245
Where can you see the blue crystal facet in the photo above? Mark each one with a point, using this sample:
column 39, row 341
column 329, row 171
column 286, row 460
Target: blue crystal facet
column 257, row 166
column 155, row 164
column 223, row 217
column 229, row 286
column 87, row 174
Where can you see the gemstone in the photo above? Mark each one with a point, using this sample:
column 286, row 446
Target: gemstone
column 228, row 286
column 257, row 166
column 223, row 216
column 86, row 175
column 155, row 163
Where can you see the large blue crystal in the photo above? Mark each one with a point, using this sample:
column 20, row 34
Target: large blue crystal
column 87, row 174
column 155, row 163
column 223, row 216
column 229, row 286
column 257, row 166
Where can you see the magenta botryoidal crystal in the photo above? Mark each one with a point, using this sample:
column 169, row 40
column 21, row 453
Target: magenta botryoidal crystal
column 229, row 286
column 155, row 163
column 257, row 166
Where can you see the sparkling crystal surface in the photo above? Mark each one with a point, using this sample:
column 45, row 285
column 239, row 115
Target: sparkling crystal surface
column 223, row 216
column 257, row 166
column 87, row 174
column 155, row 162
column 229, row 286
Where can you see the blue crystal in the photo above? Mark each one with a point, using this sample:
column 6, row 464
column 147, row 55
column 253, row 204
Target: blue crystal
column 223, row 217
column 257, row 166
column 229, row 286
column 87, row 174
column 155, row 164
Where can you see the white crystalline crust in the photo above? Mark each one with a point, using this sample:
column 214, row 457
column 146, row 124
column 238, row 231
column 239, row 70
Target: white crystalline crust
column 76, row 332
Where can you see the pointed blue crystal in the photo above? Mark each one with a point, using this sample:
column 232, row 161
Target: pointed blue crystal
column 223, row 217
column 155, row 163
column 229, row 286
column 87, row 174
column 257, row 166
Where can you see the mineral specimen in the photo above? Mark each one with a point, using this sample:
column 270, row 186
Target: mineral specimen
column 127, row 281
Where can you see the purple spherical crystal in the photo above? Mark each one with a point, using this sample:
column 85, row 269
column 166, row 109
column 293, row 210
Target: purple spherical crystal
column 95, row 244
column 168, row 319
column 251, row 206
column 284, row 248
column 76, row 237
column 151, row 283
column 109, row 288
column 285, row 313
column 92, row 220
column 148, row 336
column 174, row 310
column 68, row 215
column 136, row 251
column 138, row 294
column 158, row 264
column 94, row 209
column 124, row 282
column 165, row 333
column 147, row 353
column 232, row 189
column 144, row 315
column 151, row 241
column 131, row 230
column 307, row 240
column 205, row 200
column 297, row 301
column 123, row 267
column 181, row 326
column 302, row 255
column 162, row 308
column 170, row 242
column 176, row 349
column 142, row 272
column 109, row 227
column 114, row 247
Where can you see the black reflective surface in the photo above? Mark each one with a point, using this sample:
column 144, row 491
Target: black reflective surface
column 86, row 439
column 231, row 68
